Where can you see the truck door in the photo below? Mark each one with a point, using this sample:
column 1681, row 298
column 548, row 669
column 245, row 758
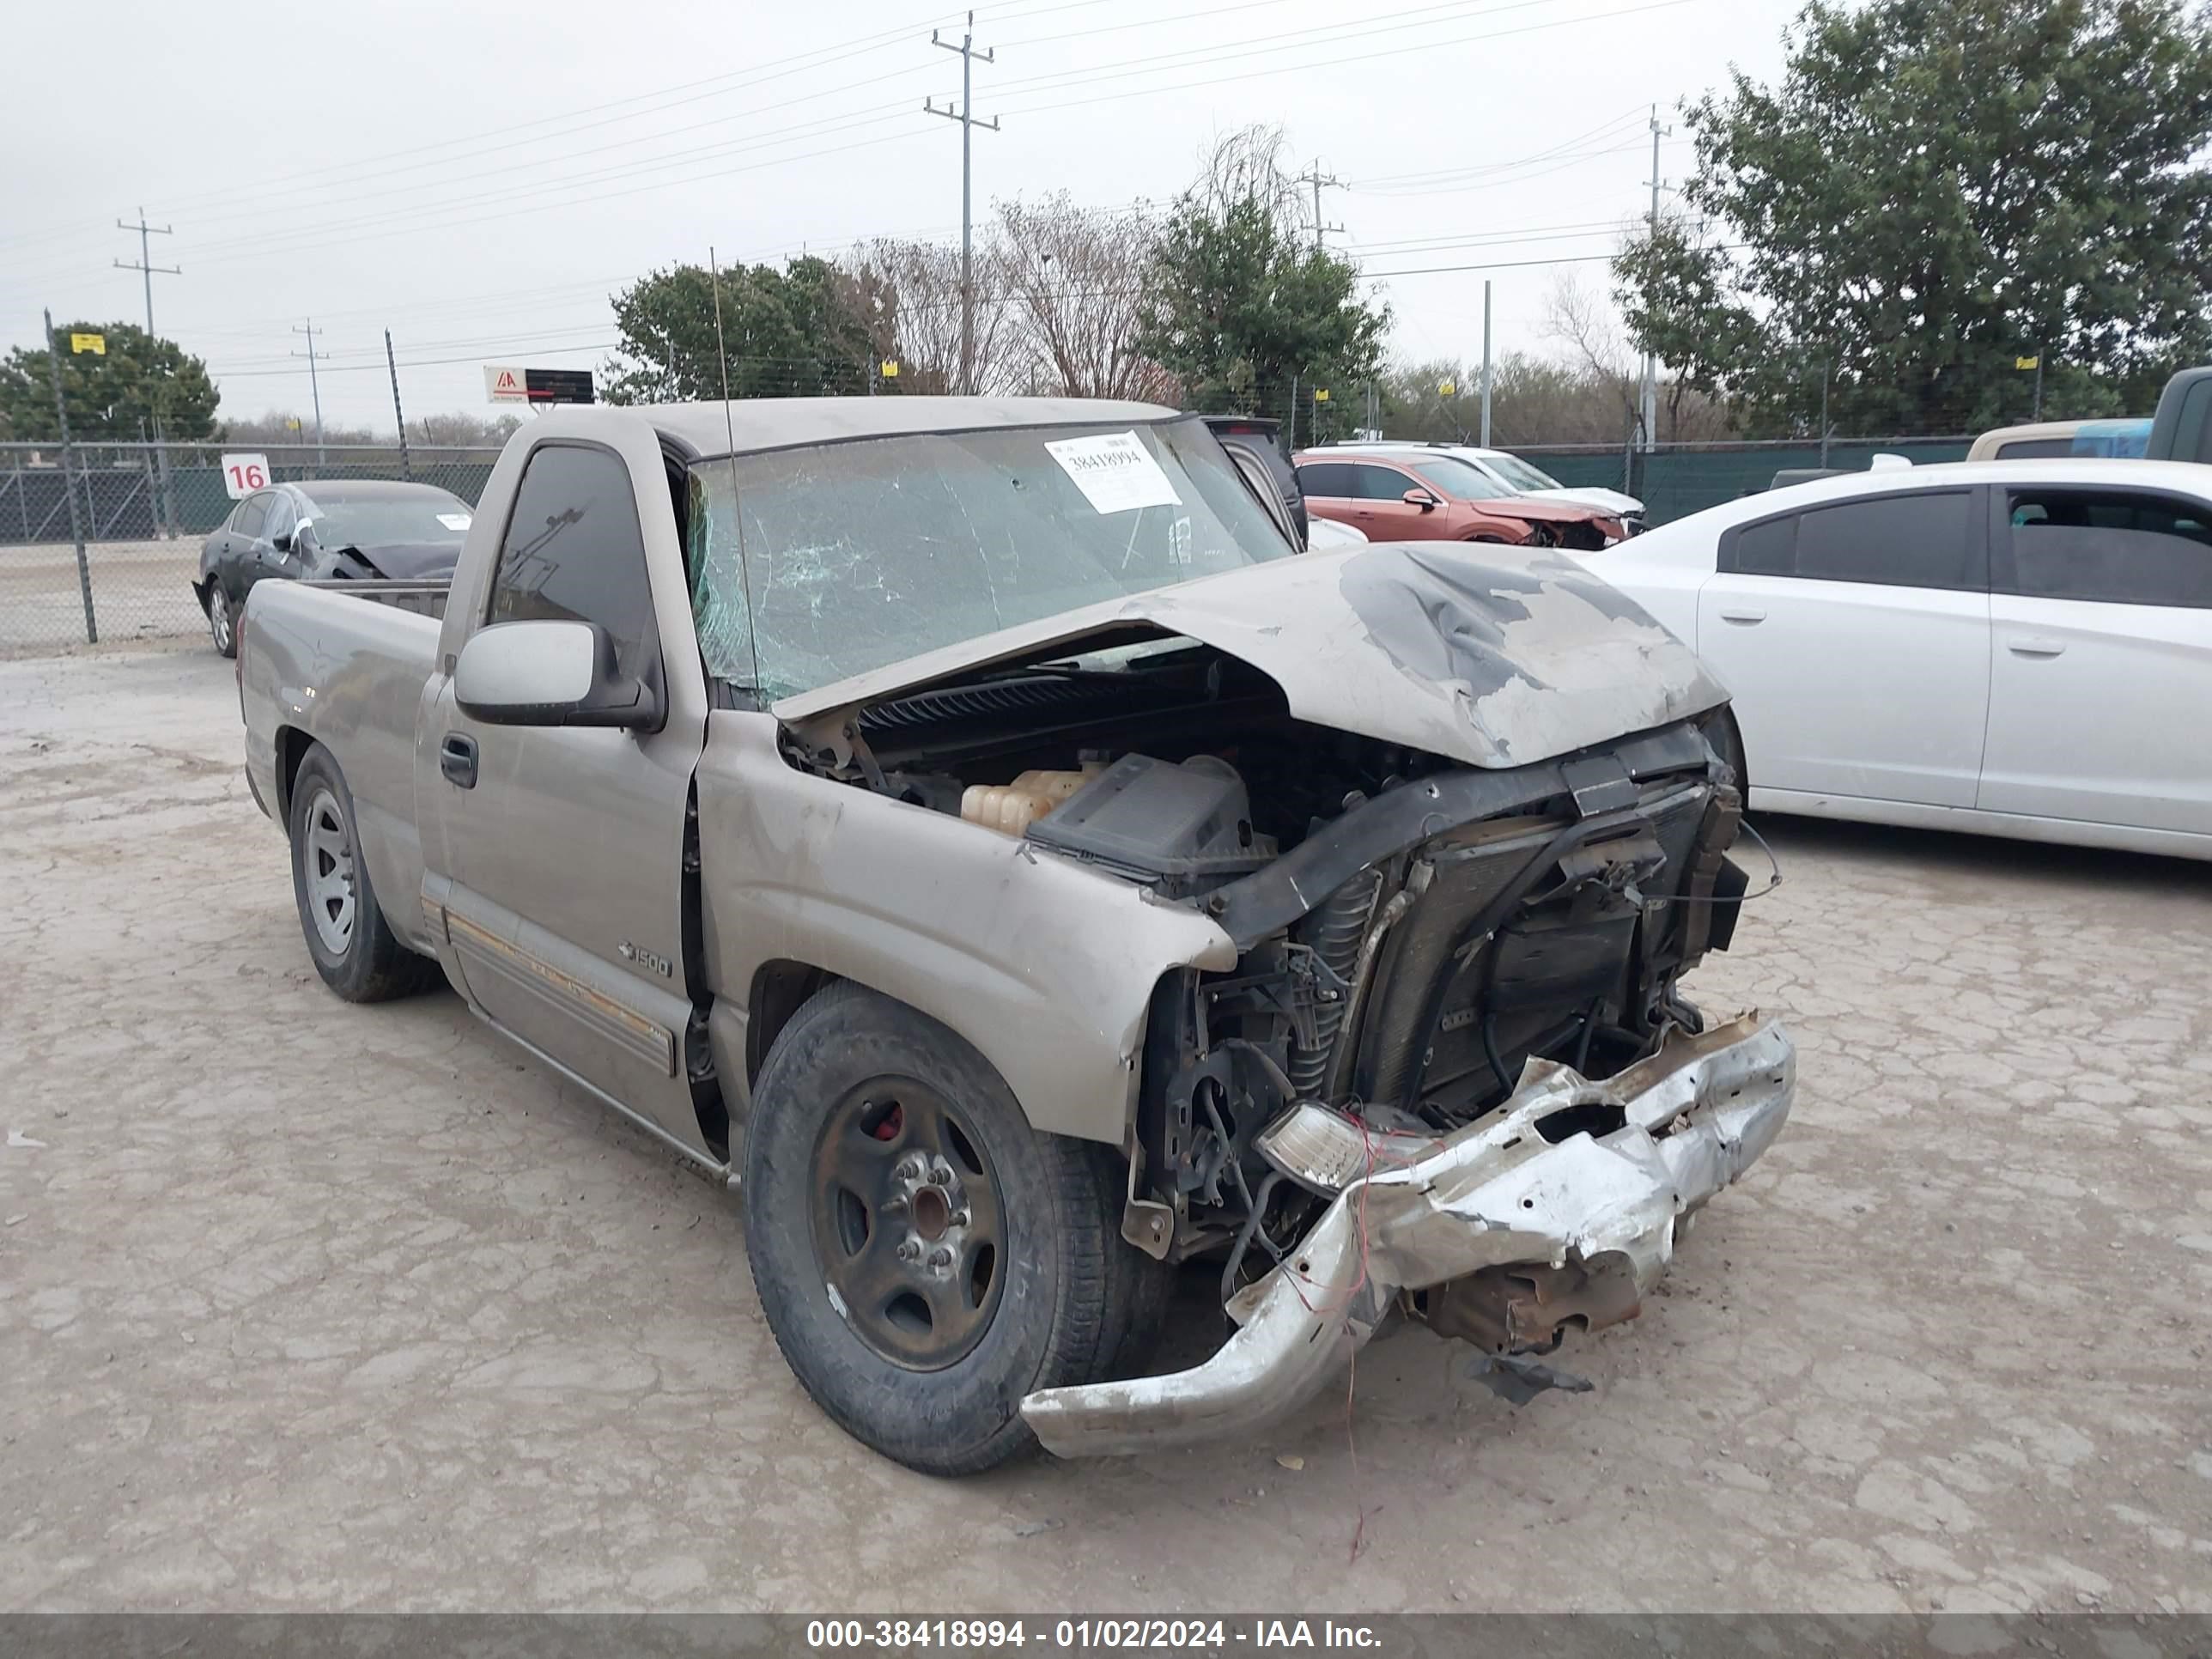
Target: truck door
column 562, row 849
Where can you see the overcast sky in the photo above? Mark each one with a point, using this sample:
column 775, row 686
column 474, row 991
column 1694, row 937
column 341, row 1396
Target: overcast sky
column 479, row 178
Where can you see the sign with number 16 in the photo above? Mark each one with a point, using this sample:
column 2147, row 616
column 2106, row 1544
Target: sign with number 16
column 244, row 474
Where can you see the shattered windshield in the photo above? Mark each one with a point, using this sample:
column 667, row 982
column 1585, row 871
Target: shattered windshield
column 842, row 557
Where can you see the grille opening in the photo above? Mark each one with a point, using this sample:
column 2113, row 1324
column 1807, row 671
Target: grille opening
column 1594, row 1118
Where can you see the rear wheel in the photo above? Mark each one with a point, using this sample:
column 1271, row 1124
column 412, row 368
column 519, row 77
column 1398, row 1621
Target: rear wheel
column 222, row 624
column 353, row 947
column 924, row 1257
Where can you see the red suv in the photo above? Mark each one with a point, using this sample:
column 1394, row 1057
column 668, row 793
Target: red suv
column 1398, row 497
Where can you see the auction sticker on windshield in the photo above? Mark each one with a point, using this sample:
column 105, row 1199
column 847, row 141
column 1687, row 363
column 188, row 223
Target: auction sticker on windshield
column 1114, row 471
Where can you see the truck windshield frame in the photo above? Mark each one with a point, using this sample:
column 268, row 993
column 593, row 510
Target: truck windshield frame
column 864, row 552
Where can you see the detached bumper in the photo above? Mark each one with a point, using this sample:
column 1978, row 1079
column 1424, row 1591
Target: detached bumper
column 1557, row 1211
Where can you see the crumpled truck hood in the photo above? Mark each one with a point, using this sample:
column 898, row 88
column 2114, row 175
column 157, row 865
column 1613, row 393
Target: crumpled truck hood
column 1499, row 657
column 1608, row 501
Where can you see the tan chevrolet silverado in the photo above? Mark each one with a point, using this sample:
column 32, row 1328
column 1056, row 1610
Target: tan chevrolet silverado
column 974, row 830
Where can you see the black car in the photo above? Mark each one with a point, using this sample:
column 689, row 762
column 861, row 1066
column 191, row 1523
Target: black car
column 366, row 530
column 1260, row 441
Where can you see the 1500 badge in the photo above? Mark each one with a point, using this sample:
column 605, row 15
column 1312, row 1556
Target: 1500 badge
column 660, row 965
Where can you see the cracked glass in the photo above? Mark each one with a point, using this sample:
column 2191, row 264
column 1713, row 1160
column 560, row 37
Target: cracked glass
column 840, row 558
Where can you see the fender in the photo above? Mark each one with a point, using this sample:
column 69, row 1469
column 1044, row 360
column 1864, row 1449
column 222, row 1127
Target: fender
column 1046, row 967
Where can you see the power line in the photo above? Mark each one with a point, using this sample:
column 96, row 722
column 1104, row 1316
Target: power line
column 1510, row 264
column 1314, row 176
column 314, row 383
column 145, row 263
column 966, row 116
column 378, row 164
column 148, row 270
column 473, row 217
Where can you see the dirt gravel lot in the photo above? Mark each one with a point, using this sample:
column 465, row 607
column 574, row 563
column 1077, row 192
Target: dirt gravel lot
column 310, row 1306
column 140, row 590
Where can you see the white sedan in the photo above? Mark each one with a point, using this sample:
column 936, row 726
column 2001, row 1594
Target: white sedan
column 2019, row 647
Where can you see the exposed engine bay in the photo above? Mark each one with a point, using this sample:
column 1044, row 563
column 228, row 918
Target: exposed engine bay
column 1415, row 935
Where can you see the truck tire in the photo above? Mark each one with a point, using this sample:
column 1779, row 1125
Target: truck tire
column 924, row 1257
column 354, row 948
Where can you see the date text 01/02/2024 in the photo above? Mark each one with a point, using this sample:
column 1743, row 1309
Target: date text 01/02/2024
column 985, row 1634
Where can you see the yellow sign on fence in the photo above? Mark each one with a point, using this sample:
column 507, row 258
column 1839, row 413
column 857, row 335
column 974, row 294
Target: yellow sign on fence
column 96, row 343
column 2027, row 362
column 1321, row 394
column 1448, row 388
column 890, row 368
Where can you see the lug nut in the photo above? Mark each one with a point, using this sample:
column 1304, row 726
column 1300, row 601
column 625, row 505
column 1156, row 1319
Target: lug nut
column 940, row 1258
column 944, row 1173
column 960, row 1218
column 908, row 1250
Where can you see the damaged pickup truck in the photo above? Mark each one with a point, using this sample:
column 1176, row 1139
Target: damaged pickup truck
column 975, row 830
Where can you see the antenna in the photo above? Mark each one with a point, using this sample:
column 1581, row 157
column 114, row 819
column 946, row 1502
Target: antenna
column 737, row 517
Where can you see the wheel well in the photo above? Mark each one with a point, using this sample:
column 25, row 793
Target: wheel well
column 292, row 746
column 1731, row 742
column 780, row 989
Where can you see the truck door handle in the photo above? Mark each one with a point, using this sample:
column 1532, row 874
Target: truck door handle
column 2035, row 645
column 457, row 759
column 1742, row 617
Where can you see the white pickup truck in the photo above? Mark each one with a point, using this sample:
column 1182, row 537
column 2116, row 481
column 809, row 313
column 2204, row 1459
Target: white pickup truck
column 978, row 831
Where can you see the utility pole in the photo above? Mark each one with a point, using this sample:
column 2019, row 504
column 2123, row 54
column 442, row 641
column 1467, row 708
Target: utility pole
column 315, row 386
column 69, row 485
column 1485, row 362
column 146, row 266
column 1650, row 363
column 966, row 116
column 405, row 469
column 1314, row 176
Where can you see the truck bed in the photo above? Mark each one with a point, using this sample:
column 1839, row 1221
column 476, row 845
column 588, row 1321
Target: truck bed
column 423, row 598
column 368, row 648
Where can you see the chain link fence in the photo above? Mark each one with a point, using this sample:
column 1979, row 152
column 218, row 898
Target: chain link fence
column 140, row 514
column 141, row 511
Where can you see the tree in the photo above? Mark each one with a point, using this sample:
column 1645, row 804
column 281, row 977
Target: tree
column 1611, row 382
column 787, row 333
column 1936, row 189
column 461, row 431
column 1672, row 287
column 284, row 428
column 142, row 382
column 1073, row 281
column 1240, row 299
column 911, row 302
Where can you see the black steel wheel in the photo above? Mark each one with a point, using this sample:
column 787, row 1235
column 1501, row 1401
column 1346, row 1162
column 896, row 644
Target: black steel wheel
column 924, row 1257
column 908, row 1225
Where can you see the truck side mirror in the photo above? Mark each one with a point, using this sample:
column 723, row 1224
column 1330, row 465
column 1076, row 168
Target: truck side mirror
column 1425, row 499
column 550, row 673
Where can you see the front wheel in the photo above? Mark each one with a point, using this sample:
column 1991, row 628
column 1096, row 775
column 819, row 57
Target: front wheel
column 353, row 947
column 222, row 624
column 924, row 1257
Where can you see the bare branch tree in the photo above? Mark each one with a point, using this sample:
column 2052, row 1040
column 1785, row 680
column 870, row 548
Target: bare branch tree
column 908, row 295
column 1580, row 322
column 1072, row 280
column 1249, row 165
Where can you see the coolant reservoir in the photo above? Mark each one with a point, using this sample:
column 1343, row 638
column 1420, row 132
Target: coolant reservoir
column 1010, row 808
